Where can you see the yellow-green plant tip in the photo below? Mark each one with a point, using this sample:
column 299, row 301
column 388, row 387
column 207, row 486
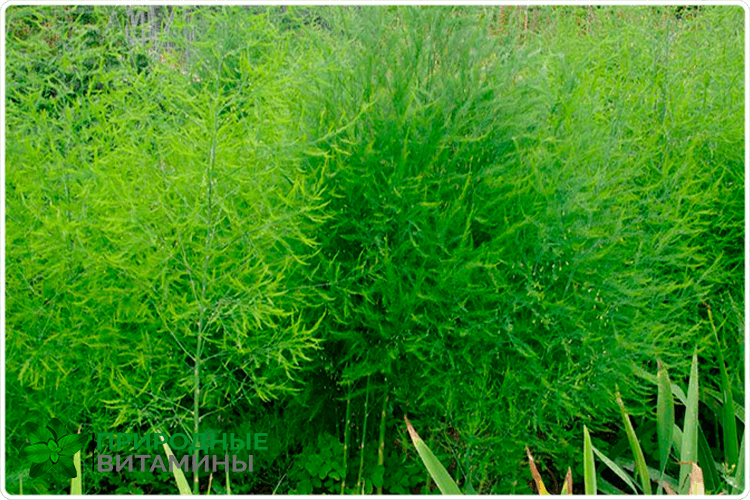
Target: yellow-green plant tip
column 179, row 476
column 444, row 481
column 589, row 469
column 541, row 489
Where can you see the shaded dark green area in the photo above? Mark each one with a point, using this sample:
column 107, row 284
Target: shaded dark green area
column 310, row 222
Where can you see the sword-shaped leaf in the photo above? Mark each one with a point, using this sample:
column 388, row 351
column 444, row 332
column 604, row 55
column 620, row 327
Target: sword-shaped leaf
column 444, row 481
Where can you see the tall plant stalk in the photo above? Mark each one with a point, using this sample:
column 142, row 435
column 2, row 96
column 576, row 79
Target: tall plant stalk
column 346, row 435
column 381, row 437
column 204, row 279
column 360, row 481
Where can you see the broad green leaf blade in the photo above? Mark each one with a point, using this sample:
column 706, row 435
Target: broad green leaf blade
column 640, row 461
column 739, row 410
column 617, row 470
column 76, row 484
column 589, row 469
column 664, row 415
column 535, row 474
column 729, row 423
column 676, row 390
column 689, row 453
column 706, row 461
column 444, row 481
column 179, row 476
column 739, row 477
column 677, row 439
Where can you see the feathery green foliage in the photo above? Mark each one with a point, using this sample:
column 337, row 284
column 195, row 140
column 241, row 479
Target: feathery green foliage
column 491, row 214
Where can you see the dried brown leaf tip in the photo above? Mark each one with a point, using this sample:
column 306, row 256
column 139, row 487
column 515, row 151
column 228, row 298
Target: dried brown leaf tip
column 412, row 433
column 535, row 474
column 568, row 484
column 696, row 481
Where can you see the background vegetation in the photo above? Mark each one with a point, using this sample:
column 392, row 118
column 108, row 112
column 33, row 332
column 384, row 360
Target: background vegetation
column 312, row 221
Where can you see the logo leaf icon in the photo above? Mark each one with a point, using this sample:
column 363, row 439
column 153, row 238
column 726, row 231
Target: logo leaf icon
column 52, row 448
column 38, row 453
column 67, row 467
column 38, row 433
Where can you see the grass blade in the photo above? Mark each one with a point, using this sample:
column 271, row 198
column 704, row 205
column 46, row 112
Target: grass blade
column 664, row 417
column 739, row 410
column 652, row 473
column 179, row 476
column 589, row 469
column 541, row 489
column 617, row 470
column 444, row 481
column 640, row 461
column 706, row 461
column 729, row 423
column 689, row 454
column 739, row 477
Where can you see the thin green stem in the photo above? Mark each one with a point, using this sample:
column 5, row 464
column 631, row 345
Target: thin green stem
column 381, row 438
column 346, row 435
column 204, row 284
column 360, row 480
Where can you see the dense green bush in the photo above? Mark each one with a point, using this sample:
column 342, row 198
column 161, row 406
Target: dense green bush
column 156, row 246
column 310, row 222
column 506, row 243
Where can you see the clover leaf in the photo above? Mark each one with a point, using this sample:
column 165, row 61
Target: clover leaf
column 52, row 448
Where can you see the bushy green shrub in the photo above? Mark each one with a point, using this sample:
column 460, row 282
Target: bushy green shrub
column 516, row 223
column 156, row 246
